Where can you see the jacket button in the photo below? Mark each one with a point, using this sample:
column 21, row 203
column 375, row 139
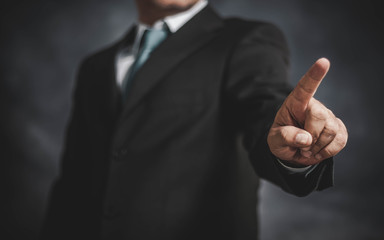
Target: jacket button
column 115, row 155
column 123, row 152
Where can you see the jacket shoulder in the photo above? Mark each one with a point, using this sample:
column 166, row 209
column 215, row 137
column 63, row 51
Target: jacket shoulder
column 97, row 57
column 257, row 31
column 249, row 25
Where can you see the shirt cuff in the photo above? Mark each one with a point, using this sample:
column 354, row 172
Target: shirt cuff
column 297, row 170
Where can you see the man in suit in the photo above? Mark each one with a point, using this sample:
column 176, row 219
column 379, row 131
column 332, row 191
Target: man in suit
column 172, row 126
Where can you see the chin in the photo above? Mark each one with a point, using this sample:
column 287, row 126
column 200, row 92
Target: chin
column 179, row 4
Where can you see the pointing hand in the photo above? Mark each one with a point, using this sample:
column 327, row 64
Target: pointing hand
column 304, row 131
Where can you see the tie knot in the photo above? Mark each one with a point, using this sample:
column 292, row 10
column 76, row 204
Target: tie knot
column 153, row 37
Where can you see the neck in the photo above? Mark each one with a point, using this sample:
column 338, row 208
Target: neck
column 150, row 11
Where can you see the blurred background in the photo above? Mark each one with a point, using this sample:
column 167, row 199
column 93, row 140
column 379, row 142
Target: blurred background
column 43, row 41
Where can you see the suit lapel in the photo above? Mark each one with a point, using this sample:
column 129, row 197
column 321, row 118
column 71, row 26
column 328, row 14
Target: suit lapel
column 193, row 35
column 105, row 90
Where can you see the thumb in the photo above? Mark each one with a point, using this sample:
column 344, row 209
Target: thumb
column 290, row 136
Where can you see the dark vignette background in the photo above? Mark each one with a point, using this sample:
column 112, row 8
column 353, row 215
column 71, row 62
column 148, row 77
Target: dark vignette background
column 42, row 43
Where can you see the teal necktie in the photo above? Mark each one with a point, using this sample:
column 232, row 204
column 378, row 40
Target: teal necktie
column 150, row 40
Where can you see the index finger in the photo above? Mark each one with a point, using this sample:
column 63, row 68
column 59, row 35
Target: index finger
column 308, row 84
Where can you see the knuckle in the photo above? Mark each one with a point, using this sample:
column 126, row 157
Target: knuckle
column 332, row 123
column 329, row 133
column 341, row 140
column 331, row 113
column 344, row 140
column 342, row 125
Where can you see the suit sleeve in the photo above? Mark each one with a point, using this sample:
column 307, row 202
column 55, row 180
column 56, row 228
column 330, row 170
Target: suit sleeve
column 66, row 192
column 256, row 86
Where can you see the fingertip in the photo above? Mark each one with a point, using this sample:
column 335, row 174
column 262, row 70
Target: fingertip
column 324, row 62
column 319, row 69
column 303, row 138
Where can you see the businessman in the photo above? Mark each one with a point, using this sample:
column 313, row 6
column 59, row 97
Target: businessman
column 173, row 125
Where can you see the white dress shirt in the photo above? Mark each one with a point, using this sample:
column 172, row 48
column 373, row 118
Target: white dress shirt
column 126, row 57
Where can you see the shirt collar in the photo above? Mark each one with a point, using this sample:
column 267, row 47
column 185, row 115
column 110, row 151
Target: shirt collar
column 175, row 22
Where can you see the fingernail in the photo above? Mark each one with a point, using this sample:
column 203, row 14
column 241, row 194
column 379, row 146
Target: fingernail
column 318, row 156
column 301, row 138
column 306, row 154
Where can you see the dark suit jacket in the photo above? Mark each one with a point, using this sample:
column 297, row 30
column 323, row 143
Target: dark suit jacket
column 180, row 159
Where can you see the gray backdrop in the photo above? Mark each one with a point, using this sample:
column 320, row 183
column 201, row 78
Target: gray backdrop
column 43, row 41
